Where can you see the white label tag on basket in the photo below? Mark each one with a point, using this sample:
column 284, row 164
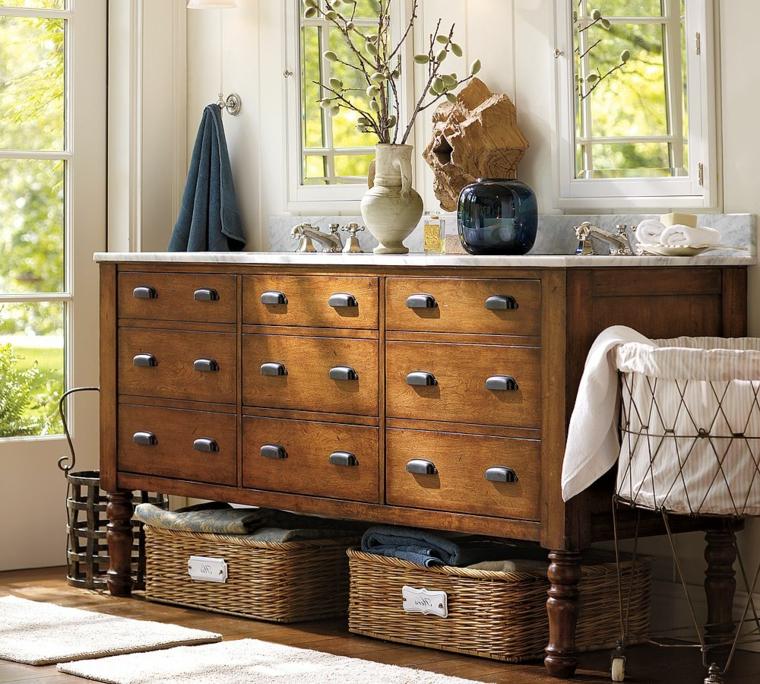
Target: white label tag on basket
column 204, row 569
column 425, row 602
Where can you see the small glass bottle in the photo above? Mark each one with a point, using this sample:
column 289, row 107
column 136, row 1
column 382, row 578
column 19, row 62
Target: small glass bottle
column 432, row 234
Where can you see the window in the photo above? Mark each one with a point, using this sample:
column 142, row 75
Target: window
column 33, row 170
column 636, row 103
column 328, row 158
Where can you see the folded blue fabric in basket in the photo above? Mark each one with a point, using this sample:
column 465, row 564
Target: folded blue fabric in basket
column 427, row 548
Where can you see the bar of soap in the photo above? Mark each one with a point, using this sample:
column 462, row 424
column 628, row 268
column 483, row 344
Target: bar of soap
column 678, row 219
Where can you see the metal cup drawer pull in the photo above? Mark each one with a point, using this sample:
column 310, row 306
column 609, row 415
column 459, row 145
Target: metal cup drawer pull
column 501, row 474
column 420, row 466
column 342, row 300
column 502, row 303
column 502, row 383
column 205, row 365
column 144, row 361
column 343, row 458
column 144, row 439
column 273, row 451
column 421, row 301
column 145, row 292
column 421, row 379
column 345, row 373
column 205, row 445
column 206, row 294
column 273, row 369
column 273, row 298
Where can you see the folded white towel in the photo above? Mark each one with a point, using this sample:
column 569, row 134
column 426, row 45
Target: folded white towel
column 648, row 232
column 685, row 236
column 592, row 439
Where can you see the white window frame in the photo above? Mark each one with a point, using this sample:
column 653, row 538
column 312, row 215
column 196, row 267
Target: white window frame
column 698, row 189
column 340, row 197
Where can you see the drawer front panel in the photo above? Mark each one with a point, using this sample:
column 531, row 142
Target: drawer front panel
column 310, row 301
column 178, row 365
column 459, row 374
column 292, row 372
column 313, row 458
column 178, row 297
column 498, row 307
column 188, row 445
column 458, row 481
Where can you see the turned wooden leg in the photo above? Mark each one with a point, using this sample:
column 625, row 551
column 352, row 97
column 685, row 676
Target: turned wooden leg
column 720, row 584
column 119, row 536
column 562, row 606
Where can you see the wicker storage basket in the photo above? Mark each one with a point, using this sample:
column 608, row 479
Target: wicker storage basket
column 491, row 614
column 279, row 582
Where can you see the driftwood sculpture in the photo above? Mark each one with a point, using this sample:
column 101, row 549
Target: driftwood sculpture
column 475, row 137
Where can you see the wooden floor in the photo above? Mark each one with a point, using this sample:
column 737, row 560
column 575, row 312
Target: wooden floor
column 645, row 664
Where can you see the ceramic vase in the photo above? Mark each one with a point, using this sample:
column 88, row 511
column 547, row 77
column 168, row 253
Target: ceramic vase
column 391, row 208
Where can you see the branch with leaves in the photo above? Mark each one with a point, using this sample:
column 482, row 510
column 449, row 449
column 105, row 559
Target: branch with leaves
column 378, row 61
column 588, row 83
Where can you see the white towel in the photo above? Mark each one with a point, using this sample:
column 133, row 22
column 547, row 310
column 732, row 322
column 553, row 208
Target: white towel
column 685, row 236
column 648, row 232
column 592, row 439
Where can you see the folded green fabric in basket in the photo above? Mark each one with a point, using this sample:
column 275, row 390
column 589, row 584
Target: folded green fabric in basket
column 258, row 524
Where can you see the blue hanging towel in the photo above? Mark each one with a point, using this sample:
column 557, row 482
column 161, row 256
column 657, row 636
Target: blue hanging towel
column 209, row 220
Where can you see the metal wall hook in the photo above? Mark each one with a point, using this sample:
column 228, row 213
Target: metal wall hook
column 232, row 103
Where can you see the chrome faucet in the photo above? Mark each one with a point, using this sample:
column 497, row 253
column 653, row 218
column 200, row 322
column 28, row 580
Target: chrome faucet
column 620, row 244
column 331, row 242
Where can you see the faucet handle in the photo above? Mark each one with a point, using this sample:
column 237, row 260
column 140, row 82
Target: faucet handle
column 352, row 229
column 334, row 228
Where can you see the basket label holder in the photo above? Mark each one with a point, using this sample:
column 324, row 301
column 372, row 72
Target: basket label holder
column 425, row 601
column 206, row 569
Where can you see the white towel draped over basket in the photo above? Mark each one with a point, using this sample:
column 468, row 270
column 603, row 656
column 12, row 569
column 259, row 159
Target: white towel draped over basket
column 690, row 425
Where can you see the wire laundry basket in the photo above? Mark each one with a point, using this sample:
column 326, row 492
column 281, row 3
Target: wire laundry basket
column 690, row 445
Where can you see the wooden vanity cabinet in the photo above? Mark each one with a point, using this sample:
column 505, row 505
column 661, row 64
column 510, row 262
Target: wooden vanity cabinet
column 423, row 396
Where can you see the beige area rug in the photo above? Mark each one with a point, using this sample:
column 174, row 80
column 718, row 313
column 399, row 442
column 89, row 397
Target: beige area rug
column 247, row 661
column 38, row 633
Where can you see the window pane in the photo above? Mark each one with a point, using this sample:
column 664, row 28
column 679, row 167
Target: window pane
column 31, row 71
column 31, row 225
column 632, row 8
column 632, row 100
column 353, row 167
column 31, row 368
column 315, row 169
column 35, row 4
column 310, row 91
column 629, row 160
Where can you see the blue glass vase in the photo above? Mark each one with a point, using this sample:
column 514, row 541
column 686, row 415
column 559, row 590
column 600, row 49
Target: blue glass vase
column 497, row 217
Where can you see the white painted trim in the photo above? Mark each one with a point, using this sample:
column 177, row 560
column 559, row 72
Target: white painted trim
column 179, row 101
column 638, row 193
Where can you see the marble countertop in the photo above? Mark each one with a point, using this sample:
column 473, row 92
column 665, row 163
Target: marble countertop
column 416, row 259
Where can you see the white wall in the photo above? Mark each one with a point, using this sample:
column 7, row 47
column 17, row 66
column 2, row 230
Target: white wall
column 514, row 40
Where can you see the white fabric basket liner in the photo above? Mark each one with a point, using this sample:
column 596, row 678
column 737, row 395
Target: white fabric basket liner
column 690, row 425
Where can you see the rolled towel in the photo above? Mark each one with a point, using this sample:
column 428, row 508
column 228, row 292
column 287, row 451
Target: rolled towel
column 512, row 565
column 685, row 236
column 648, row 232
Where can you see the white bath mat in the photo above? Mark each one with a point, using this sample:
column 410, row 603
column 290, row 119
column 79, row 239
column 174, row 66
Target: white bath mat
column 38, row 633
column 247, row 661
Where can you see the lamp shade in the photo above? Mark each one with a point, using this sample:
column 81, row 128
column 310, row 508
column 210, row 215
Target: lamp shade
column 211, row 4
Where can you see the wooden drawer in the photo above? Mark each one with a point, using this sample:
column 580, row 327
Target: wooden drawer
column 307, row 301
column 459, row 482
column 296, row 457
column 174, row 374
column 188, row 445
column 459, row 392
column 178, row 297
column 464, row 306
column 306, row 384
